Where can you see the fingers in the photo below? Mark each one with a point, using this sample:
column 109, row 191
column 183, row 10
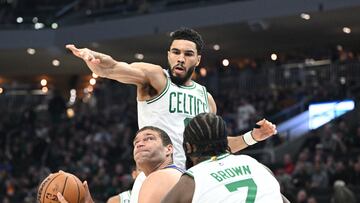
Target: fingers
column 85, row 54
column 61, row 198
column 261, row 122
column 267, row 127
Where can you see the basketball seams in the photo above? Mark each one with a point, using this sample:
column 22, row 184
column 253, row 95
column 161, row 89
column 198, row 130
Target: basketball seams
column 78, row 189
column 62, row 193
column 49, row 185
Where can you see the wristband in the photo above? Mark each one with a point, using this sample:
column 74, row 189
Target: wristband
column 248, row 138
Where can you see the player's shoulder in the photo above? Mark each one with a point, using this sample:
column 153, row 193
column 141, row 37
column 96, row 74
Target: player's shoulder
column 164, row 173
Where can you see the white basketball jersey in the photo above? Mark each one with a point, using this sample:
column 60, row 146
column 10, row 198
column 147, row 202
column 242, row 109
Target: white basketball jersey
column 171, row 110
column 125, row 196
column 136, row 187
column 234, row 179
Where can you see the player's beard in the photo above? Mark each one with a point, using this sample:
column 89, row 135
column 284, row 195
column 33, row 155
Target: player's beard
column 189, row 163
column 181, row 80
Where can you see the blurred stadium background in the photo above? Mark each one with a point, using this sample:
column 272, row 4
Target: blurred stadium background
column 269, row 59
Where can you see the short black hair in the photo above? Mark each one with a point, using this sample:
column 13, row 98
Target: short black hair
column 207, row 132
column 190, row 35
column 163, row 135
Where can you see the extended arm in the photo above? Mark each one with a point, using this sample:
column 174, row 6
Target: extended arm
column 237, row 143
column 139, row 74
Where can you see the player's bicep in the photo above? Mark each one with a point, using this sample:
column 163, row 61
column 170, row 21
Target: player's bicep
column 152, row 74
column 212, row 104
column 182, row 192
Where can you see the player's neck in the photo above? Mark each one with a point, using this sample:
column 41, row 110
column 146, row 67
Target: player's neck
column 188, row 83
column 151, row 167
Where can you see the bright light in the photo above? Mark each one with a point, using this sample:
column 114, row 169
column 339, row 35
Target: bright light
column 70, row 113
column 43, row 82
column 139, row 56
column 225, row 62
column 216, row 47
column 92, row 81
column 73, row 92
column 54, row 26
column 305, row 16
column 94, row 75
column 1, row 90
column 273, row 57
column 19, row 20
column 339, row 47
column 90, row 89
column 203, row 72
column 44, row 89
column 35, row 19
column 343, row 80
column 39, row 26
column 346, row 30
column 31, row 51
column 56, row 62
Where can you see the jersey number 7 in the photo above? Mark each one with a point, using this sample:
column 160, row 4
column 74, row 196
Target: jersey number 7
column 249, row 183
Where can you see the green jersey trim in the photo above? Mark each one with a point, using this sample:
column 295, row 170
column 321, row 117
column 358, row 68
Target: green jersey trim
column 189, row 174
column 192, row 86
column 206, row 98
column 161, row 94
column 216, row 158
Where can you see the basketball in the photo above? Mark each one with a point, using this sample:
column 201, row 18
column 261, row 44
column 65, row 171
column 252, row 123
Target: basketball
column 66, row 183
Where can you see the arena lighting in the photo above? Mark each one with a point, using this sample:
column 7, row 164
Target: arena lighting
column 203, row 72
column 73, row 92
column 54, row 26
column 139, row 56
column 56, row 62
column 19, row 20
column 43, row 82
column 322, row 113
column 216, row 47
column 1, row 90
column 39, row 26
column 225, row 62
column 31, row 51
column 305, row 16
column 44, row 89
column 273, row 57
column 346, row 30
column 94, row 75
column 70, row 113
column 92, row 81
column 35, row 20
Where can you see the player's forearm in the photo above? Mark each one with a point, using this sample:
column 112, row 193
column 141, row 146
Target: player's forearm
column 236, row 143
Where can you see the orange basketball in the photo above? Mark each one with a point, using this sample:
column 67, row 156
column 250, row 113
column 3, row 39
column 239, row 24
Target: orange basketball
column 66, row 183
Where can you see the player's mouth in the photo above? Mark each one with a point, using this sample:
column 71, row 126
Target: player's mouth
column 178, row 69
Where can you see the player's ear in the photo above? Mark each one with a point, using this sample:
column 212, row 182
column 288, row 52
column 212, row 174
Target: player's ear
column 198, row 60
column 169, row 149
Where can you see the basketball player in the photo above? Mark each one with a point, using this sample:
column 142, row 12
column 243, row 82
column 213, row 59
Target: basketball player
column 153, row 152
column 169, row 99
column 217, row 175
column 124, row 197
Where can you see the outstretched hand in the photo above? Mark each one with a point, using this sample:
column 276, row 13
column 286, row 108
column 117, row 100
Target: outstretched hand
column 97, row 62
column 86, row 54
column 265, row 130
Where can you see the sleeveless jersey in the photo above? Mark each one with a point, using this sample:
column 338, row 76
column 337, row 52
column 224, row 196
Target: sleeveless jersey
column 172, row 110
column 234, row 178
column 125, row 196
column 140, row 180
